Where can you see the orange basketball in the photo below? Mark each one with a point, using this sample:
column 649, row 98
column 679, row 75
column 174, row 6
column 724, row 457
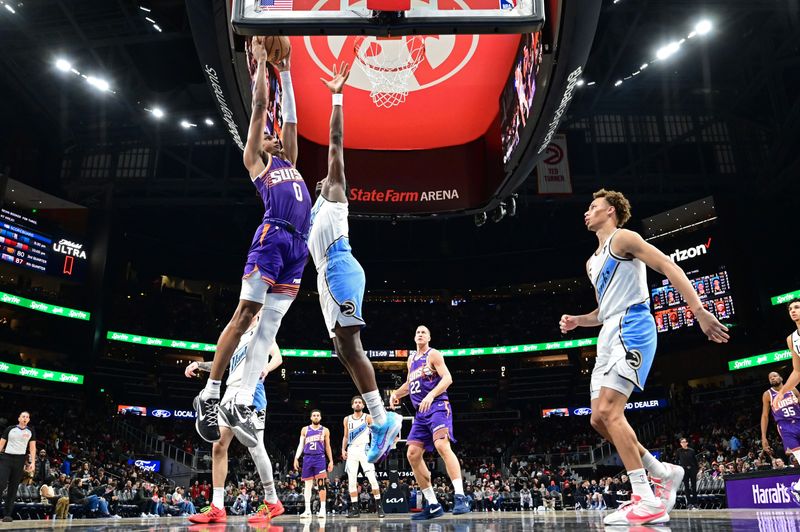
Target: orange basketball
column 277, row 47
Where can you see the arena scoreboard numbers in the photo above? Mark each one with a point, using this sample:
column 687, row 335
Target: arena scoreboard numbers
column 26, row 245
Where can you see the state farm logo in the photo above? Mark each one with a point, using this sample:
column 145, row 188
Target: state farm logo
column 683, row 254
column 444, row 55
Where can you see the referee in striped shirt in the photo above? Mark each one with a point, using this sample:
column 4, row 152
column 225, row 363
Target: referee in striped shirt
column 16, row 441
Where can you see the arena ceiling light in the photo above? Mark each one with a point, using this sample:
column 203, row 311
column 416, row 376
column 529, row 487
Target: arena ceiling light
column 209, row 122
column 63, row 65
column 668, row 50
column 9, row 8
column 185, row 124
column 703, row 27
column 157, row 112
column 98, row 83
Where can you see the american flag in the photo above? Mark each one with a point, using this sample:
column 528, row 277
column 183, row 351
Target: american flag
column 274, row 5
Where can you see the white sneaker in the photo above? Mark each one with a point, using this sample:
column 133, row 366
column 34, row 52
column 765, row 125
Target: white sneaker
column 638, row 512
column 667, row 488
column 321, row 515
column 306, row 515
column 144, row 515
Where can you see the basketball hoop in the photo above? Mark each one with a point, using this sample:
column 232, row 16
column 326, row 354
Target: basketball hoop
column 389, row 63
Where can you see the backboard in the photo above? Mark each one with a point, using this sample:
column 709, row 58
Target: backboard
column 385, row 17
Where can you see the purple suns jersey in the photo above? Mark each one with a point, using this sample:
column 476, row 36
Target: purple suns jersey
column 315, row 440
column 420, row 381
column 788, row 409
column 284, row 194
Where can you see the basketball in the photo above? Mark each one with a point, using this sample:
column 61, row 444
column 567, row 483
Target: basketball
column 277, row 47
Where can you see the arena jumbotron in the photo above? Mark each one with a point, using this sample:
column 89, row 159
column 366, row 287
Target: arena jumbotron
column 375, row 264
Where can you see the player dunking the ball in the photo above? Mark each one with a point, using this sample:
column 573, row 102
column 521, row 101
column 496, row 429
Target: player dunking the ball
column 626, row 347
column 272, row 507
column 341, row 280
column 275, row 261
column 354, row 452
column 432, row 429
column 315, row 447
column 786, row 412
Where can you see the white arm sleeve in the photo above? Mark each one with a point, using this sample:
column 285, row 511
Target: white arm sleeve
column 288, row 107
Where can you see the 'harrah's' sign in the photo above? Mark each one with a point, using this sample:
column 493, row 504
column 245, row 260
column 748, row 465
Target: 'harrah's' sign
column 400, row 196
column 769, row 491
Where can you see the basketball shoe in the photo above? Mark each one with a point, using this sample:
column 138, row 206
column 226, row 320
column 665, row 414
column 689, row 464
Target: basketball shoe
column 209, row 514
column 638, row 512
column 667, row 487
column 207, row 423
column 383, row 437
column 266, row 512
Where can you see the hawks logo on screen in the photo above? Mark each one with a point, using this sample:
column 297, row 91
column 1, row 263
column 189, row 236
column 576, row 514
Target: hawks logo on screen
column 445, row 55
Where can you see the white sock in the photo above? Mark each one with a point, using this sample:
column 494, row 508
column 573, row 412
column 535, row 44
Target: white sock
column 378, row 496
column 307, row 495
column 430, row 495
column 353, row 499
column 641, row 487
column 218, row 498
column 656, row 468
column 322, row 507
column 375, row 406
column 211, row 391
column 458, row 486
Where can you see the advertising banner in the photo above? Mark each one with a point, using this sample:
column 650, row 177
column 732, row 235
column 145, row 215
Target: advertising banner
column 767, row 491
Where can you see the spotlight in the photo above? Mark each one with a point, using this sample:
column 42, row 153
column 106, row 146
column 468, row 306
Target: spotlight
column 480, row 219
column 618, row 83
column 63, row 65
column 580, row 83
column 668, row 50
column 209, row 122
column 185, row 124
column 11, row 9
column 157, row 112
column 97, row 83
column 703, row 27
column 499, row 213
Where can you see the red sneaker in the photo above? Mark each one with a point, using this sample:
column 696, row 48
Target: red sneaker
column 210, row 514
column 266, row 512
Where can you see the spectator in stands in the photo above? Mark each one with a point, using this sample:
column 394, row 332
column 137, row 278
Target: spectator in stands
column 778, row 464
column 478, row 497
column 195, row 491
column 186, row 507
column 240, row 505
column 92, row 503
column 43, row 473
column 525, row 499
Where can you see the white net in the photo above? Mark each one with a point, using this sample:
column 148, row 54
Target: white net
column 389, row 64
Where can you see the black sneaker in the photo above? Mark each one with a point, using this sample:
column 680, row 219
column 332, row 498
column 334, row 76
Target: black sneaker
column 353, row 511
column 207, row 423
column 8, row 519
column 240, row 419
column 379, row 508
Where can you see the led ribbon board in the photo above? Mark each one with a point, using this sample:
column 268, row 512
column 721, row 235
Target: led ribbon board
column 38, row 306
column 322, row 353
column 785, row 298
column 759, row 360
column 43, row 374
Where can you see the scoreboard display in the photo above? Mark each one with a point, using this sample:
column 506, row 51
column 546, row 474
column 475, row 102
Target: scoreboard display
column 26, row 244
